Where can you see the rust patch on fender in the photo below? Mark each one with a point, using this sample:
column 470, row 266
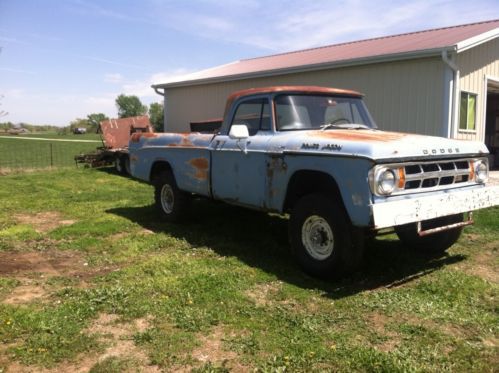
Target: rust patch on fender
column 181, row 139
column 200, row 166
column 354, row 135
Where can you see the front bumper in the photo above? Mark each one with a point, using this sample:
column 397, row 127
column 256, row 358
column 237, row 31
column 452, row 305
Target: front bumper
column 414, row 208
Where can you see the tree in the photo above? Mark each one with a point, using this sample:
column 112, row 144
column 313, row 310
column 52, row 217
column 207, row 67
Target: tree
column 94, row 120
column 156, row 116
column 129, row 106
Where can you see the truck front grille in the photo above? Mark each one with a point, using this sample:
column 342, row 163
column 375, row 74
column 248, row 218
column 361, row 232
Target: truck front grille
column 433, row 175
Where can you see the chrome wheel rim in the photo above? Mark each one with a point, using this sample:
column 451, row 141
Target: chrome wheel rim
column 317, row 237
column 167, row 198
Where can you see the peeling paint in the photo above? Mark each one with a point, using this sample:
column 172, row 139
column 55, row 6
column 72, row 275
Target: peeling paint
column 201, row 166
column 354, row 135
column 275, row 165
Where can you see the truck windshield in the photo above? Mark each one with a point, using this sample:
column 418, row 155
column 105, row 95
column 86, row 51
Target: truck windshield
column 305, row 112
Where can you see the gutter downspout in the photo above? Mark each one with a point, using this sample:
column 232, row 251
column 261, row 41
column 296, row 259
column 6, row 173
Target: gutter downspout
column 157, row 90
column 450, row 130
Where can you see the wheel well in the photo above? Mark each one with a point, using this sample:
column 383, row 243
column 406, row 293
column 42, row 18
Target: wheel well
column 157, row 168
column 308, row 182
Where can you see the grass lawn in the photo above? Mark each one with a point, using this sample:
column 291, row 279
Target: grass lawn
column 91, row 279
column 17, row 152
column 69, row 136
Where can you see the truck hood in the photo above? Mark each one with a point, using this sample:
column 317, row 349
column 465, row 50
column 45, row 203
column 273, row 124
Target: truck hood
column 374, row 144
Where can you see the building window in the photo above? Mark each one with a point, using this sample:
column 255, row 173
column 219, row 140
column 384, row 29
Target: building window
column 467, row 111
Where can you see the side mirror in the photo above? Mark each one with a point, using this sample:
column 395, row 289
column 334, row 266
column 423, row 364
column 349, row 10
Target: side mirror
column 238, row 132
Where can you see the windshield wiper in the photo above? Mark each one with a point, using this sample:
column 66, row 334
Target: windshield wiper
column 350, row 126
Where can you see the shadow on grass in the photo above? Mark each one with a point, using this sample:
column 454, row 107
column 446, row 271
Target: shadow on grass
column 260, row 241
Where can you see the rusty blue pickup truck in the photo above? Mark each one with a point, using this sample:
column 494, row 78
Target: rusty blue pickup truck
column 316, row 154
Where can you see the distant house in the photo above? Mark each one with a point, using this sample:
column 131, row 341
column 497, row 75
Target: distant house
column 79, row 130
column 442, row 82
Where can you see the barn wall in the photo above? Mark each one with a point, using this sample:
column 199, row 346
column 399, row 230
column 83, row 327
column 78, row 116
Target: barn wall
column 474, row 65
column 402, row 96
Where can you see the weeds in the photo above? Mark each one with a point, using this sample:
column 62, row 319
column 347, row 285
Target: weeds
column 221, row 291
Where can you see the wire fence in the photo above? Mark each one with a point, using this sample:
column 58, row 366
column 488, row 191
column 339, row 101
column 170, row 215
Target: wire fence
column 17, row 154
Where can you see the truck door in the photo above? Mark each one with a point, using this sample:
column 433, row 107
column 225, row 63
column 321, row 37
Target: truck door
column 239, row 166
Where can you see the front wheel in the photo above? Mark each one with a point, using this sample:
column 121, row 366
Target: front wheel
column 432, row 244
column 322, row 239
column 170, row 201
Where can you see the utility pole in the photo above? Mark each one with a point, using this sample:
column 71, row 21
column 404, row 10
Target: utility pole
column 2, row 112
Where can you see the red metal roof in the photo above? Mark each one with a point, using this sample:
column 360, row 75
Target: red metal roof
column 428, row 40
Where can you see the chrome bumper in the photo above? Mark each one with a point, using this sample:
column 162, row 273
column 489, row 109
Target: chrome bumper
column 418, row 208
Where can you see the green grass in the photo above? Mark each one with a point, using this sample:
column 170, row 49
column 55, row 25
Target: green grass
column 69, row 136
column 18, row 153
column 221, row 291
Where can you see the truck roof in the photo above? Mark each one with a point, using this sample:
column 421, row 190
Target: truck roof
column 305, row 89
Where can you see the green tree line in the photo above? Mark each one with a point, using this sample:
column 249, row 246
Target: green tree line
column 127, row 106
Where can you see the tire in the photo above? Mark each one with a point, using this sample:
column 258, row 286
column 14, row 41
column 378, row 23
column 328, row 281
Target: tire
column 433, row 244
column 118, row 165
column 170, row 201
column 322, row 238
column 122, row 164
column 126, row 162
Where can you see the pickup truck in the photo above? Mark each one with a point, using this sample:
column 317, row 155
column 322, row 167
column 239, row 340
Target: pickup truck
column 316, row 153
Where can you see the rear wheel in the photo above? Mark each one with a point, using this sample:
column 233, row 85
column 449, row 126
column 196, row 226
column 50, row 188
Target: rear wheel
column 433, row 244
column 322, row 239
column 170, row 201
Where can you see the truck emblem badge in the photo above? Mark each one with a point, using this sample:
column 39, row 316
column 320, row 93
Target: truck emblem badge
column 332, row 147
column 442, row 151
column 309, row 146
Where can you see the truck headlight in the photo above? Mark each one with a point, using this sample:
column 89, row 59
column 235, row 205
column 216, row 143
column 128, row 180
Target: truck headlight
column 385, row 181
column 481, row 171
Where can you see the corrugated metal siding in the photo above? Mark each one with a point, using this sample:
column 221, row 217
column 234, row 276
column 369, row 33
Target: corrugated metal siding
column 402, row 96
column 474, row 64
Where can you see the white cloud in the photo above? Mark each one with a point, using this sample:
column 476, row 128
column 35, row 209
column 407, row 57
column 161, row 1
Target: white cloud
column 11, row 70
column 60, row 108
column 284, row 25
column 291, row 25
column 143, row 89
column 113, row 78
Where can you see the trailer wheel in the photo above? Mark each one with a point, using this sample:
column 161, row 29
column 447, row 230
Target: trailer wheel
column 122, row 164
column 433, row 244
column 322, row 238
column 170, row 201
column 118, row 165
column 126, row 164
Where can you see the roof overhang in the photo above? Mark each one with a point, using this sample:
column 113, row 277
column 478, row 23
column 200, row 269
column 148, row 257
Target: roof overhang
column 477, row 40
column 424, row 53
column 436, row 52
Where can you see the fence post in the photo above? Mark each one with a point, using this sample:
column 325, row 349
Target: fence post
column 51, row 157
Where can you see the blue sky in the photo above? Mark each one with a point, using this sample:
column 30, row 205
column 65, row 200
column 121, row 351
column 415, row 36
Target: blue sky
column 63, row 59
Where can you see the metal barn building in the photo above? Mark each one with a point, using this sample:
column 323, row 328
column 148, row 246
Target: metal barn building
column 442, row 82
